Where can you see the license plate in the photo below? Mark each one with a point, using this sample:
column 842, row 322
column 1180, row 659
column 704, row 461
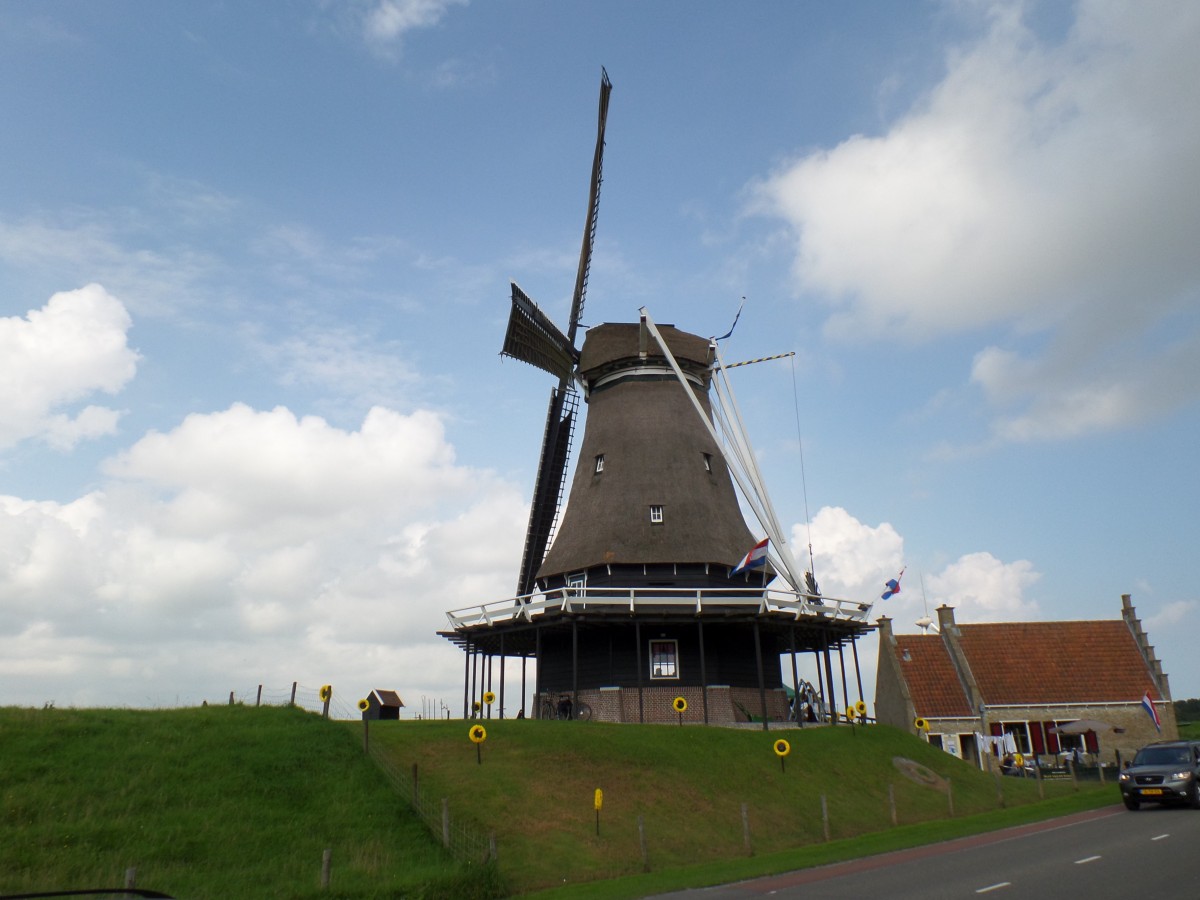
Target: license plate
column 1151, row 792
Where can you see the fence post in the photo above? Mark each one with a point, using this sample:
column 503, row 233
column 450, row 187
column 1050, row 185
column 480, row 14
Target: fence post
column 131, row 878
column 326, row 865
column 446, row 822
column 292, row 702
column 1071, row 769
column 231, row 698
column 1041, row 784
column 746, row 829
column 825, row 816
column 258, row 699
column 642, row 843
column 892, row 803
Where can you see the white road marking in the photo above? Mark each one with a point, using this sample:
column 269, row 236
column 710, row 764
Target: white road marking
column 994, row 887
column 1160, row 837
column 1086, row 859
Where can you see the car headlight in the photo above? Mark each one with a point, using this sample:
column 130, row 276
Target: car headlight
column 1124, row 776
column 1181, row 776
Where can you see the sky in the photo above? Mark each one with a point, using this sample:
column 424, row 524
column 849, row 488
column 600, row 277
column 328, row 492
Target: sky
column 254, row 265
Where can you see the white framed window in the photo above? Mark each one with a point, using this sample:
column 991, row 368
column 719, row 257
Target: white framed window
column 656, row 515
column 707, row 462
column 599, row 463
column 664, row 659
column 576, row 584
column 1020, row 733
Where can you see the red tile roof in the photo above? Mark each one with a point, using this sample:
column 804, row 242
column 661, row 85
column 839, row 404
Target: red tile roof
column 1056, row 662
column 933, row 683
column 1026, row 663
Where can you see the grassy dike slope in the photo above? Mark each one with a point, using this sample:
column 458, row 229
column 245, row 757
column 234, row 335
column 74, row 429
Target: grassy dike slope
column 535, row 786
column 217, row 802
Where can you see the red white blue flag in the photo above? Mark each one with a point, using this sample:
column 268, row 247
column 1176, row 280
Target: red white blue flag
column 755, row 559
column 893, row 586
column 1148, row 705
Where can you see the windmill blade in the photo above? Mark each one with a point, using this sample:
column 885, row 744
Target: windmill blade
column 531, row 337
column 548, row 488
column 589, row 229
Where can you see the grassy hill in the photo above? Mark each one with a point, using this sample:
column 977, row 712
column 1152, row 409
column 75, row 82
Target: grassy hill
column 242, row 802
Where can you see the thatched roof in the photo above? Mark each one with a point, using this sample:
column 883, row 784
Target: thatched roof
column 656, row 453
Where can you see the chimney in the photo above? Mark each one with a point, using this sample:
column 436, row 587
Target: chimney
column 945, row 617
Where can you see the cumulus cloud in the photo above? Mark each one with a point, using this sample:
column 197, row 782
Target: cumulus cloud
column 53, row 357
column 250, row 546
column 1044, row 187
column 853, row 561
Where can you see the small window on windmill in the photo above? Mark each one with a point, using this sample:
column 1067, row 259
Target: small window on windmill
column 656, row 515
column 576, row 584
column 599, row 463
column 707, row 462
column 664, row 656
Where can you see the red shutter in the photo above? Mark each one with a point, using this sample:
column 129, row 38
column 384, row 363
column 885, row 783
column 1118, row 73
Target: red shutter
column 1051, row 738
column 1089, row 740
column 1035, row 735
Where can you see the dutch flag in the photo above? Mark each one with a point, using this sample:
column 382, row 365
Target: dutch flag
column 1148, row 705
column 755, row 559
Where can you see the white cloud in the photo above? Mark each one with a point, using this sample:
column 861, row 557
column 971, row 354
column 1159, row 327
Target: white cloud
column 984, row 589
column 1045, row 188
column 387, row 21
column 250, row 546
column 53, row 357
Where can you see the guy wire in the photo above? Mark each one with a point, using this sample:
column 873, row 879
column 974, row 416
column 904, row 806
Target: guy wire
column 803, row 481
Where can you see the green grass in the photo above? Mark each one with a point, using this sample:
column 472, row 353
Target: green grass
column 536, row 785
column 213, row 802
column 237, row 802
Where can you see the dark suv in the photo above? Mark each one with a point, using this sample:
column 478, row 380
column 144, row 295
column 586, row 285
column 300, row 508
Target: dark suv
column 1166, row 772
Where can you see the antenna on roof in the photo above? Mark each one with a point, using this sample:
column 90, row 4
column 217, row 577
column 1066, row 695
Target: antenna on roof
column 925, row 622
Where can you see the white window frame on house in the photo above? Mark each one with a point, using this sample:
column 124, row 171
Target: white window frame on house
column 664, row 660
column 656, row 514
column 577, row 584
column 1020, row 733
column 599, row 463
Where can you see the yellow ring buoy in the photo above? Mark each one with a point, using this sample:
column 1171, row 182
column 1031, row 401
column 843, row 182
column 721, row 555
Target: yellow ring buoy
column 477, row 734
column 680, row 705
column 326, row 692
column 364, row 704
column 782, row 748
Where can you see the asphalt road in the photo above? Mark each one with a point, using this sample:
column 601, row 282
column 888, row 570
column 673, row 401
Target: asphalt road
column 1107, row 854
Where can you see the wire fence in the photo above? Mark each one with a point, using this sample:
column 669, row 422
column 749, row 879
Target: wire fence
column 465, row 843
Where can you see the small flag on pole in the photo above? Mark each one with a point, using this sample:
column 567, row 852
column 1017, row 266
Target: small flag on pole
column 1148, row 705
column 893, row 586
column 755, row 559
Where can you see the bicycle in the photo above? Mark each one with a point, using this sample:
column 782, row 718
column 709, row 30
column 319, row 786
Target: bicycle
column 562, row 709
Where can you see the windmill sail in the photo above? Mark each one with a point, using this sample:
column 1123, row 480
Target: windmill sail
column 531, row 337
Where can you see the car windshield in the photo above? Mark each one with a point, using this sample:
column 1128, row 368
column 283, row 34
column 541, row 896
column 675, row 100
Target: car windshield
column 1160, row 756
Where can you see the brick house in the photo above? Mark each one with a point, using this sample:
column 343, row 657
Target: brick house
column 1024, row 678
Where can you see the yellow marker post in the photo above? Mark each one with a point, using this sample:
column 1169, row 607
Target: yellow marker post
column 598, row 802
column 782, row 749
column 680, row 705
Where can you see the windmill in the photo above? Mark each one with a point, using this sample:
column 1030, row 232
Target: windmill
column 639, row 600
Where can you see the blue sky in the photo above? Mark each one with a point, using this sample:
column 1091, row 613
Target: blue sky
column 254, row 264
